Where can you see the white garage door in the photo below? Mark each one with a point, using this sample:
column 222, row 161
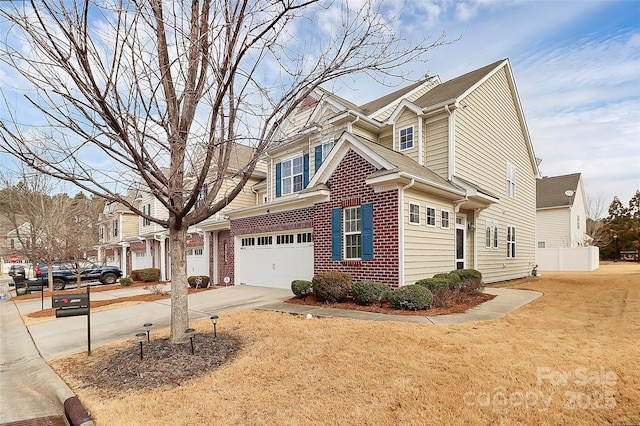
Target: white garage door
column 274, row 260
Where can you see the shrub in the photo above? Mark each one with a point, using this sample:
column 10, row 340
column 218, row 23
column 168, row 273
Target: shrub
column 198, row 281
column 433, row 284
column 126, row 282
column 301, row 288
column 413, row 297
column 147, row 275
column 471, row 280
column 368, row 292
column 454, row 279
column 331, row 287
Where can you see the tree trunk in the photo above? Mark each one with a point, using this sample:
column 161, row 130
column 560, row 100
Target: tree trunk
column 179, row 287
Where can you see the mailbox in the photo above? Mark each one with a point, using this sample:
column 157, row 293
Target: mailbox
column 70, row 305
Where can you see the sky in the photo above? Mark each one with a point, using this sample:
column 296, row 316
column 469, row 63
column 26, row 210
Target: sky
column 577, row 70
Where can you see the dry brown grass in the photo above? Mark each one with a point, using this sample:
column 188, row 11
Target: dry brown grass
column 294, row 371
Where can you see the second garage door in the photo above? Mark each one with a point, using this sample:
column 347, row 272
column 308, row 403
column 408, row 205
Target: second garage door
column 274, row 260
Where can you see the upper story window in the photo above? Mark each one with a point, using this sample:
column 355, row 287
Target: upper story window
column 511, row 180
column 414, row 214
column 292, row 175
column 115, row 228
column 201, row 195
column 146, row 209
column 406, row 138
column 321, row 152
column 431, row 216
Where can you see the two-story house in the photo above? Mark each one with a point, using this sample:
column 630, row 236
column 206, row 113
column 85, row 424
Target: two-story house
column 561, row 215
column 432, row 177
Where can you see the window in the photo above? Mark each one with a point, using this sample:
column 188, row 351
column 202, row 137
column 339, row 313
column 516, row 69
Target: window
column 194, row 252
column 511, row 242
column 292, row 175
column 249, row 241
column 284, row 239
column 115, row 228
column 578, row 222
column 406, row 138
column 487, row 234
column 321, row 152
column 511, row 180
column 141, row 254
column 495, row 234
column 542, row 244
column 201, row 195
column 444, row 219
column 265, row 241
column 146, row 209
column 305, row 237
column 352, row 232
column 431, row 216
column 414, row 213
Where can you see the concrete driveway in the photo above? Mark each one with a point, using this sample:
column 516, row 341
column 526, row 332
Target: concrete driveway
column 63, row 336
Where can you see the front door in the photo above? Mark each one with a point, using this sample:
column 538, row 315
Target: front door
column 460, row 237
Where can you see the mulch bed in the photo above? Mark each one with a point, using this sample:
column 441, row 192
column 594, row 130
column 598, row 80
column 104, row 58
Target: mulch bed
column 464, row 303
column 113, row 372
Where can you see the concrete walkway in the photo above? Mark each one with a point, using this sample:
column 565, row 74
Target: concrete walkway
column 30, row 389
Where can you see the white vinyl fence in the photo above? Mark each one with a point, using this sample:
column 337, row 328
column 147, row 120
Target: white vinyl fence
column 568, row 258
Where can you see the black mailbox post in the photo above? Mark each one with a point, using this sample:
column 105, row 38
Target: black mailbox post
column 70, row 305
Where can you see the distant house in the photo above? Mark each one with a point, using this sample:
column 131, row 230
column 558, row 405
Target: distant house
column 432, row 177
column 561, row 212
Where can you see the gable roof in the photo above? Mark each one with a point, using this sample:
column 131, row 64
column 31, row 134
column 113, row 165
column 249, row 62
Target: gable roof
column 550, row 191
column 454, row 88
column 376, row 104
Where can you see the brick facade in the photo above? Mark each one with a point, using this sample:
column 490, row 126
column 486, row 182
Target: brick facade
column 348, row 188
column 226, row 258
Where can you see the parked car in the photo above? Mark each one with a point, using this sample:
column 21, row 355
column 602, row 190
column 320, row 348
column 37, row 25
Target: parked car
column 16, row 270
column 66, row 272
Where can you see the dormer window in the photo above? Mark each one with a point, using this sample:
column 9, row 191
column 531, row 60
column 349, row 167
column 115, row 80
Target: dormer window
column 406, row 138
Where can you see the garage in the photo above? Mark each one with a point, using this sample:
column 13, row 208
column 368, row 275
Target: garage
column 274, row 260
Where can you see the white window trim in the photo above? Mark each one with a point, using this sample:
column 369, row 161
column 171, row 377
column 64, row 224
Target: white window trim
column 494, row 240
column 348, row 233
column 410, row 221
column 511, row 243
column 488, row 226
column 400, row 138
column 435, row 214
column 293, row 175
column 327, row 146
column 442, row 212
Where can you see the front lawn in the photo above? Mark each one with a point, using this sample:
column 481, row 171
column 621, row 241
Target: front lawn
column 570, row 357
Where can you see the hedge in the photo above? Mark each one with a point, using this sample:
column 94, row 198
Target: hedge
column 331, row 287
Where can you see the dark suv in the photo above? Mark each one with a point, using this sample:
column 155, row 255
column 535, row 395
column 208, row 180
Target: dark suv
column 66, row 272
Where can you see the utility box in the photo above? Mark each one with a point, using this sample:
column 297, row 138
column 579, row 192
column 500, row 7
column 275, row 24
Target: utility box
column 70, row 305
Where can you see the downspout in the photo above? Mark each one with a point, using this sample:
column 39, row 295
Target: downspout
column 350, row 128
column 255, row 192
column 401, row 232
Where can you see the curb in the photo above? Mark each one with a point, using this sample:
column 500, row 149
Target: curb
column 76, row 413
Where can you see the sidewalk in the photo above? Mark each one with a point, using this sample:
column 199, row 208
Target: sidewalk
column 29, row 389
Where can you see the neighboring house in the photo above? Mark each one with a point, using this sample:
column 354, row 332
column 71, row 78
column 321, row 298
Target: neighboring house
column 561, row 212
column 433, row 177
column 118, row 236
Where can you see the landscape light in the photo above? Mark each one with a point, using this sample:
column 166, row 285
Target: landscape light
column 141, row 337
column 147, row 326
column 190, row 331
column 214, row 321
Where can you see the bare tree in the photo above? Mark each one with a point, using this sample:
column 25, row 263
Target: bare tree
column 596, row 209
column 163, row 89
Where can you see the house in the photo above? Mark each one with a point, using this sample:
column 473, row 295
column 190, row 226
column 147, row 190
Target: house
column 561, row 212
column 432, row 177
column 118, row 236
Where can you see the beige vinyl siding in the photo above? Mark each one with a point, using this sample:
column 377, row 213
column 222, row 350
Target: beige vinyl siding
column 552, row 227
column 245, row 198
column 488, row 137
column 437, row 145
column 407, row 119
column 365, row 133
column 386, row 137
column 130, row 225
column 427, row 250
